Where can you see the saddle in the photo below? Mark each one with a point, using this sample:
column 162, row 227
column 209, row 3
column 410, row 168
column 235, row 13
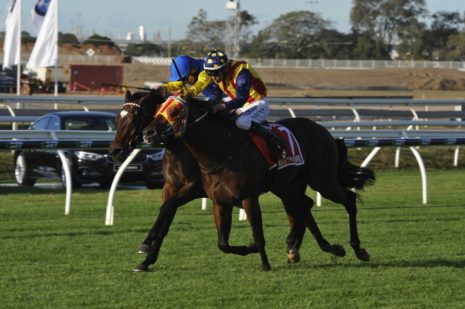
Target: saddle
column 293, row 154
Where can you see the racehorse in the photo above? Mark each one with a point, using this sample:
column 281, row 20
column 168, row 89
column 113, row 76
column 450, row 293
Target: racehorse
column 182, row 177
column 233, row 170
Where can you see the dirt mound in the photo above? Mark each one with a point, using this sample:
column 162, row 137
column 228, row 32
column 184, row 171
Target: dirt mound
column 303, row 81
column 436, row 79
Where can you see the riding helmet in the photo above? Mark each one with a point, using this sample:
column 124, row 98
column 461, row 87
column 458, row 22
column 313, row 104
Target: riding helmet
column 180, row 68
column 215, row 60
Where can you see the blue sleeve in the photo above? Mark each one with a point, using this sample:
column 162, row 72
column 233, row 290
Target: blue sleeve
column 243, row 84
column 213, row 92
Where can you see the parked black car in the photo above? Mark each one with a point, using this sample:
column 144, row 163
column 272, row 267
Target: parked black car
column 86, row 166
column 8, row 80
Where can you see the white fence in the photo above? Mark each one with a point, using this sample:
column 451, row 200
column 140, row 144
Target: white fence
column 328, row 63
column 60, row 140
column 407, row 133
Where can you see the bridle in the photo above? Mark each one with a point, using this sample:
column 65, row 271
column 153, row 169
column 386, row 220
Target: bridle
column 137, row 122
column 137, row 106
column 168, row 132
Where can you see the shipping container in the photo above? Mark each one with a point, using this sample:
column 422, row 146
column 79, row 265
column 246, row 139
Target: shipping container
column 95, row 77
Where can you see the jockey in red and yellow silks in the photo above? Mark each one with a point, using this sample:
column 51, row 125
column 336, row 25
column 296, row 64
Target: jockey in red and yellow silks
column 247, row 92
column 229, row 85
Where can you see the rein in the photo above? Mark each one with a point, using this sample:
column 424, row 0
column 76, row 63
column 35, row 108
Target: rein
column 169, row 131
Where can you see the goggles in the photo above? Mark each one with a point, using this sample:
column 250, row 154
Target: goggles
column 214, row 72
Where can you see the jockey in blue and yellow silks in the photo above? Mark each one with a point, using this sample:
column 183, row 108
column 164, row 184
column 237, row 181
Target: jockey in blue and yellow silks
column 247, row 92
column 189, row 71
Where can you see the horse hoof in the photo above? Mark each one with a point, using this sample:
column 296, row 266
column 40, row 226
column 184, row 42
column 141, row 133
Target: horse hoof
column 338, row 250
column 144, row 248
column 266, row 267
column 141, row 268
column 293, row 256
column 362, row 255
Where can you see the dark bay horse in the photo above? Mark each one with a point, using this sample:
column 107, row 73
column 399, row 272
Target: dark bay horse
column 233, row 170
column 182, row 178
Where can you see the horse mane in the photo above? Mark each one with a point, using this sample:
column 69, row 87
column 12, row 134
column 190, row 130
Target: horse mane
column 222, row 119
column 136, row 96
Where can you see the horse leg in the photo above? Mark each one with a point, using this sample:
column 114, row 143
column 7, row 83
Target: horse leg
column 348, row 198
column 351, row 208
column 296, row 220
column 164, row 220
column 254, row 215
column 172, row 197
column 223, row 219
column 325, row 246
column 161, row 227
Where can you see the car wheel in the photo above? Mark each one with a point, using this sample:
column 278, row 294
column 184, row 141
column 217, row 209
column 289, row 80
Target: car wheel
column 22, row 172
column 74, row 183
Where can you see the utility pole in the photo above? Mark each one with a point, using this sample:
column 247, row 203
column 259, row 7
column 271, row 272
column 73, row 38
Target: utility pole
column 234, row 29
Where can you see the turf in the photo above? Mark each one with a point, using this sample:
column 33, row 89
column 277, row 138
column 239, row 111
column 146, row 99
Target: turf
column 49, row 260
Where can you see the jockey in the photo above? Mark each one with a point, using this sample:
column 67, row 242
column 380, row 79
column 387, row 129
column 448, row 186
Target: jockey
column 247, row 92
column 186, row 70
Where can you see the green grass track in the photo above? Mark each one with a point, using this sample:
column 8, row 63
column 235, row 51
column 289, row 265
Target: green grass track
column 49, row 260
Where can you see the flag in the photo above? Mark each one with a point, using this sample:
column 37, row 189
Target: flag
column 11, row 45
column 45, row 51
column 38, row 13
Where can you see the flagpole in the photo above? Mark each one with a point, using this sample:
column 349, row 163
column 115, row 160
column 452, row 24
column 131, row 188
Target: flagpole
column 56, row 51
column 18, row 56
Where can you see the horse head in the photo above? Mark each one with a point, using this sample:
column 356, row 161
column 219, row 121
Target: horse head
column 137, row 112
column 173, row 119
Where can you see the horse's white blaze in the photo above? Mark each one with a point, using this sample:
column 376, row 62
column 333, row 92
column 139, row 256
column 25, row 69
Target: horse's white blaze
column 123, row 114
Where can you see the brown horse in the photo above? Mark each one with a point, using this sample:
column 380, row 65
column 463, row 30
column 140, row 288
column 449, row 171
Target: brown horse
column 182, row 181
column 233, row 170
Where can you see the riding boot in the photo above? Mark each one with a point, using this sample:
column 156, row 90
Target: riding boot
column 272, row 138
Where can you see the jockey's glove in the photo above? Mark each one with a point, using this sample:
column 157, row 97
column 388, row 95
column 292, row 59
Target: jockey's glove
column 219, row 107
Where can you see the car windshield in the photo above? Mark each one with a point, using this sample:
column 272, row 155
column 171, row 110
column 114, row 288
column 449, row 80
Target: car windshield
column 89, row 123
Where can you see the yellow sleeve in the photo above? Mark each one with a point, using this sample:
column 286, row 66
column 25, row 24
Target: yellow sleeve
column 174, row 86
column 202, row 82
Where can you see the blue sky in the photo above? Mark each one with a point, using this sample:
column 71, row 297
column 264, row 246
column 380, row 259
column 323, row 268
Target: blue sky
column 170, row 18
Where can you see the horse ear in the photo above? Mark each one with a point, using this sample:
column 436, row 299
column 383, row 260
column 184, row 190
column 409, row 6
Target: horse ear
column 127, row 97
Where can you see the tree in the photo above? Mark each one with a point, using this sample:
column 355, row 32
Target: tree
column 246, row 21
column 98, row 40
column 295, row 35
column 366, row 47
column 336, row 45
column 68, row 38
column 443, row 26
column 203, row 34
column 143, row 49
column 455, row 47
column 387, row 20
column 411, row 38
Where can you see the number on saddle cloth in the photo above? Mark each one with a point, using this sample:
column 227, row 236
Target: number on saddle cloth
column 293, row 153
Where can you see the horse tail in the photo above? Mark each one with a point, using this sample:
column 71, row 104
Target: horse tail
column 350, row 175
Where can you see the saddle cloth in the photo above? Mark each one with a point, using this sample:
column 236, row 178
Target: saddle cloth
column 293, row 153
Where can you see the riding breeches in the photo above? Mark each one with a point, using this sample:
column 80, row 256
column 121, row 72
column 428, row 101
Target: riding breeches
column 257, row 112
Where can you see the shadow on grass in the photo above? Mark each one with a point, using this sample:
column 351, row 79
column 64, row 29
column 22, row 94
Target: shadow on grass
column 431, row 263
column 107, row 232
